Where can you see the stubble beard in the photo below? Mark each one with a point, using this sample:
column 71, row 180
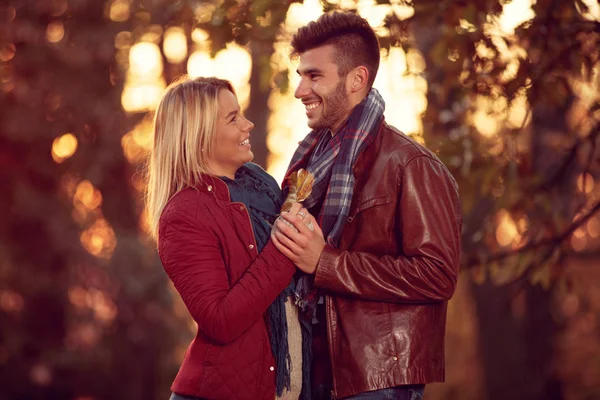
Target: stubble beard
column 335, row 106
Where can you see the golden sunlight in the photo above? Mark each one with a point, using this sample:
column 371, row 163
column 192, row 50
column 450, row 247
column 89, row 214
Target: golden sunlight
column 145, row 61
column 403, row 11
column 585, row 183
column 199, row 36
column 374, row 13
column 514, row 13
column 7, row 52
column 103, row 306
column 64, row 147
column 55, row 31
column 77, row 296
column 99, row 239
column 593, row 227
column 518, row 113
column 138, row 142
column 119, row 10
column 506, row 231
column 142, row 97
column 87, row 196
column 486, row 116
column 593, row 12
column 93, row 299
column 232, row 63
column 200, row 64
column 300, row 14
column 578, row 243
column 175, row 45
column 144, row 83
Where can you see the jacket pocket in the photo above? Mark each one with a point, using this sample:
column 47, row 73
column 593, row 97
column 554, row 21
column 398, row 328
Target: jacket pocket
column 370, row 203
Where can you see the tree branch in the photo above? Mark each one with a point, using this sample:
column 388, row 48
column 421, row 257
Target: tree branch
column 553, row 242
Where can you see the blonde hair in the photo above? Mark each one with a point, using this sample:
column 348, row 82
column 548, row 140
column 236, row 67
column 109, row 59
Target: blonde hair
column 184, row 127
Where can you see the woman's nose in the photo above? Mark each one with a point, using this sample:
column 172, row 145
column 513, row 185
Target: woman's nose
column 249, row 124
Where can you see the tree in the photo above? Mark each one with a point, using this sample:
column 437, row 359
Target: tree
column 86, row 307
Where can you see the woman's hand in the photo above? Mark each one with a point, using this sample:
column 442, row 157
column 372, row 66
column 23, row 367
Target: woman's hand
column 298, row 242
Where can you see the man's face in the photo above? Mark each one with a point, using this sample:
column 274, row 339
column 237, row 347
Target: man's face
column 322, row 90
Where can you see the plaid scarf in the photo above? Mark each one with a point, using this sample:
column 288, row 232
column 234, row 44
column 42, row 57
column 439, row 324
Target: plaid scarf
column 334, row 180
column 332, row 168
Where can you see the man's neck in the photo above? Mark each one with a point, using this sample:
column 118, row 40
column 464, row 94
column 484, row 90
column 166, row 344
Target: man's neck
column 338, row 127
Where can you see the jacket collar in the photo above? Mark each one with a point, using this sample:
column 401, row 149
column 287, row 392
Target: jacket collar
column 369, row 152
column 212, row 185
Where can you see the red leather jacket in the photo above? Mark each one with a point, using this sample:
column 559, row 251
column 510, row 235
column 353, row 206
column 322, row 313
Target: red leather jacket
column 388, row 283
column 208, row 249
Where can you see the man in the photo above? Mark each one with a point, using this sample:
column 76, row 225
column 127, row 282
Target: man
column 382, row 267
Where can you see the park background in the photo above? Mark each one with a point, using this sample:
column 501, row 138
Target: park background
column 506, row 93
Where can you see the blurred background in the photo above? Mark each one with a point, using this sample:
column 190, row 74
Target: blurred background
column 507, row 93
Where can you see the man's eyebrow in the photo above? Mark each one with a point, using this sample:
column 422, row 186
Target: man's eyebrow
column 309, row 71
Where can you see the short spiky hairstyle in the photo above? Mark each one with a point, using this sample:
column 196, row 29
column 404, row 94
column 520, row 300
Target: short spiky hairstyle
column 354, row 41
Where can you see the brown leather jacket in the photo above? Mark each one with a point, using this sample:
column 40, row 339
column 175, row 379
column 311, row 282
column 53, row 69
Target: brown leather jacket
column 388, row 283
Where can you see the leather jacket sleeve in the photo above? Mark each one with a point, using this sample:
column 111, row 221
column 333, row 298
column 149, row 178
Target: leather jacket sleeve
column 192, row 258
column 427, row 230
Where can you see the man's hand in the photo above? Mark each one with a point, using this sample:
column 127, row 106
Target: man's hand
column 303, row 247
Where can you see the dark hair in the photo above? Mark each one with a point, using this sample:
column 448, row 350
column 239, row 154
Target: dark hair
column 354, row 41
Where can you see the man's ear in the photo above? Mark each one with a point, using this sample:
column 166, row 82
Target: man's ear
column 359, row 77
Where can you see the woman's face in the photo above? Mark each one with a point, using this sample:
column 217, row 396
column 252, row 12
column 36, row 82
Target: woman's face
column 231, row 146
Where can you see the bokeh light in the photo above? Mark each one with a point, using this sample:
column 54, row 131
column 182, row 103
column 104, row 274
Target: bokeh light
column 55, row 31
column 175, row 45
column 119, row 10
column 64, row 147
column 514, row 13
column 232, row 63
column 585, row 183
column 99, row 239
column 507, row 232
column 145, row 82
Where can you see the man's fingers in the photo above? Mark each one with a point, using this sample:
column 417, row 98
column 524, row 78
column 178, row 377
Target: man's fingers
column 287, row 243
column 284, row 250
column 288, row 238
column 297, row 222
column 282, row 226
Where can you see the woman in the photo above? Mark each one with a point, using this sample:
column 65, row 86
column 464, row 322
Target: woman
column 211, row 212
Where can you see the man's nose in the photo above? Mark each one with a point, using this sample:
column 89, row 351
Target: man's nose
column 302, row 90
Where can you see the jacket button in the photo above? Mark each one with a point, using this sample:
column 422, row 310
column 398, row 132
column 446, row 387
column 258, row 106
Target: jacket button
column 251, row 246
column 272, row 368
column 242, row 208
column 395, row 358
column 209, row 188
